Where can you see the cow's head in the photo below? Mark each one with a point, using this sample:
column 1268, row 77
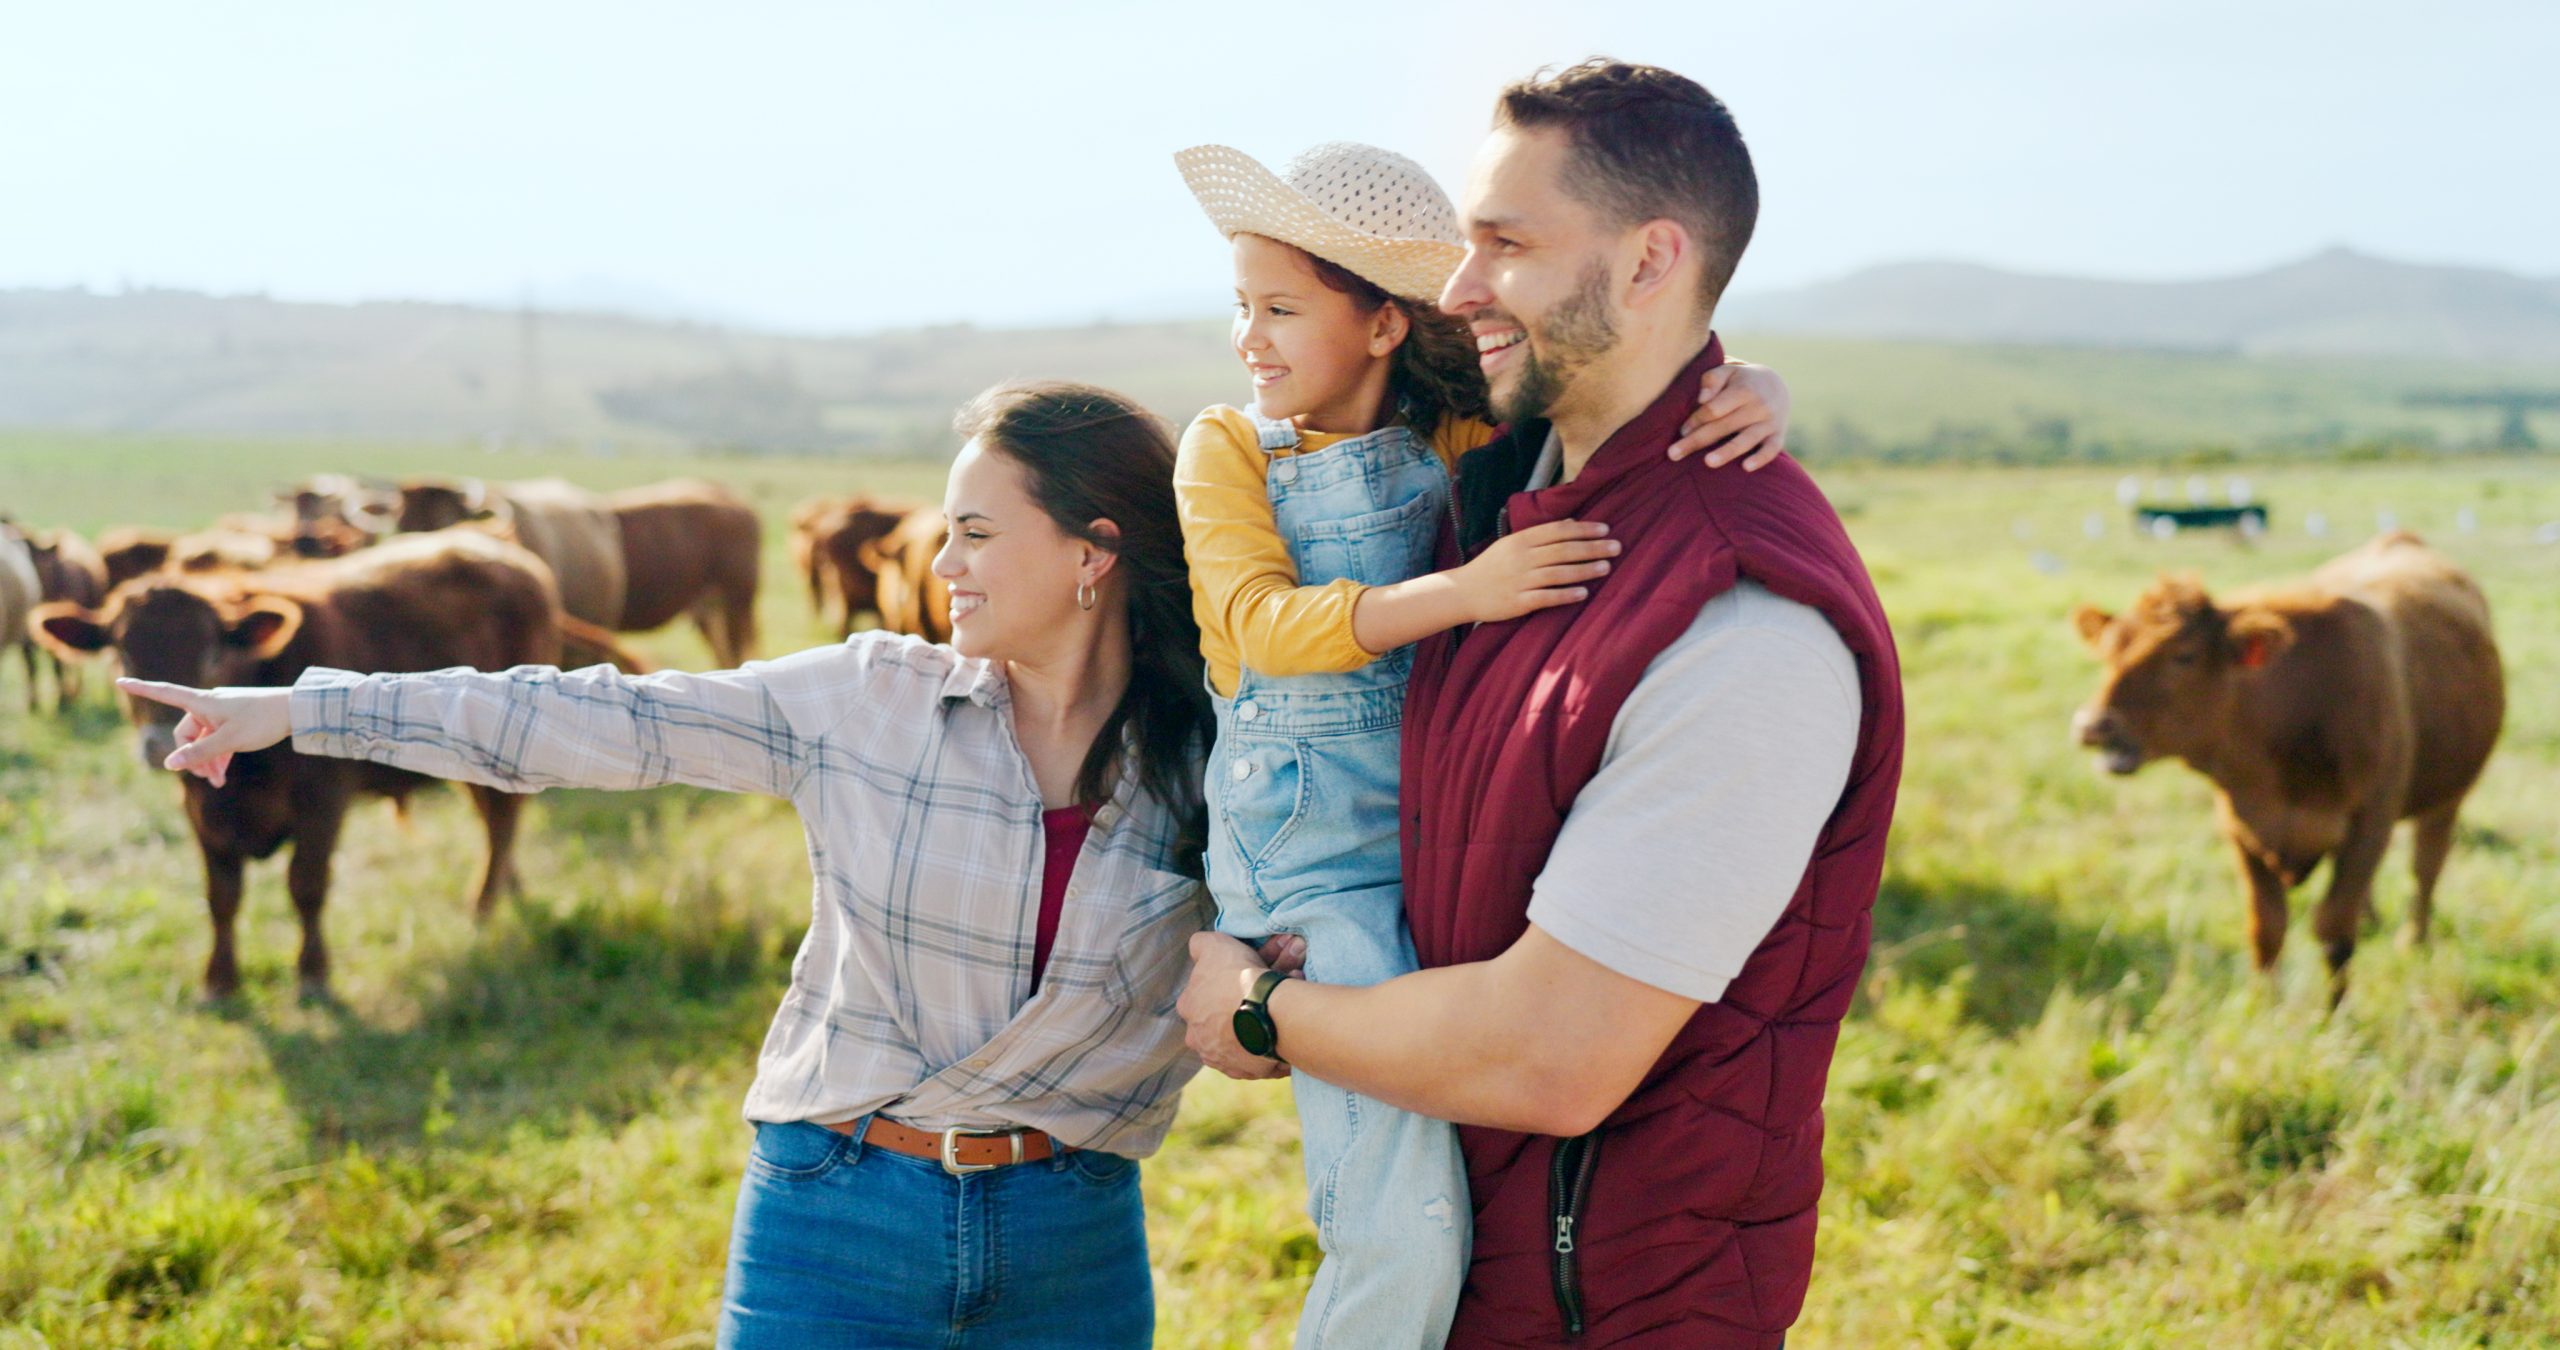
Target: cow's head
column 2175, row 666
column 326, row 539
column 341, row 499
column 168, row 629
column 433, row 504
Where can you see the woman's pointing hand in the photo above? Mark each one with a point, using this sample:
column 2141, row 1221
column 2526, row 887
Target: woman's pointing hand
column 219, row 723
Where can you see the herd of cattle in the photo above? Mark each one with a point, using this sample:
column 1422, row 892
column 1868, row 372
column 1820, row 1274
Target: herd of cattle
column 414, row 576
column 2325, row 710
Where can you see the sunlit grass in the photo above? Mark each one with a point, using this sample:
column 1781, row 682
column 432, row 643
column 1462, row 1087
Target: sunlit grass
column 2063, row 1113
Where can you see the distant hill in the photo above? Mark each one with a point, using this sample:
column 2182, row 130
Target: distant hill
column 164, row 361
column 1923, row 361
column 2336, row 303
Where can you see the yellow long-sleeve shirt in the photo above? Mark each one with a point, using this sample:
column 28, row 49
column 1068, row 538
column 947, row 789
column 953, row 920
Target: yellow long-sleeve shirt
column 1244, row 586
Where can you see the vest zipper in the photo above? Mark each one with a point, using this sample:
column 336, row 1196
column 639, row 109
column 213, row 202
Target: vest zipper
column 1568, row 1185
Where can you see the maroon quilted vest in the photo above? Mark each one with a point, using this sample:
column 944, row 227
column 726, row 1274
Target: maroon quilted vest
column 1687, row 1219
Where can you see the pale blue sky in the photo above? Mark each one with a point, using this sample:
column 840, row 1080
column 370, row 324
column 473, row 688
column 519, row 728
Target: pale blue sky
column 844, row 167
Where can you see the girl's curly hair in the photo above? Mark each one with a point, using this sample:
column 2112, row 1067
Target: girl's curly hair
column 1435, row 375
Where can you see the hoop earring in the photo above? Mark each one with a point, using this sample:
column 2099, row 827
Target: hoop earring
column 1084, row 595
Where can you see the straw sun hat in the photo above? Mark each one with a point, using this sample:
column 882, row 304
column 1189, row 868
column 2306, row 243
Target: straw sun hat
column 1370, row 210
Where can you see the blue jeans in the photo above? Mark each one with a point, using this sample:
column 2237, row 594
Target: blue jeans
column 839, row 1245
column 1302, row 839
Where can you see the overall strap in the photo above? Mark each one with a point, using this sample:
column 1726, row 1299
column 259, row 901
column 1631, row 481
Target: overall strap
column 1276, row 435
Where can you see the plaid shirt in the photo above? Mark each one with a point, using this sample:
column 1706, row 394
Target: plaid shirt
column 911, row 993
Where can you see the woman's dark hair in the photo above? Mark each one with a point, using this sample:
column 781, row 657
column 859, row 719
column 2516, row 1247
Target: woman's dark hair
column 1090, row 455
column 1435, row 374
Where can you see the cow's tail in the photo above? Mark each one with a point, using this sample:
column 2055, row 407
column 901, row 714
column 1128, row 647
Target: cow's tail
column 584, row 644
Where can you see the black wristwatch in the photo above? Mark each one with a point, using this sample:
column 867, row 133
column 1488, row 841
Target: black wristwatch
column 1254, row 1029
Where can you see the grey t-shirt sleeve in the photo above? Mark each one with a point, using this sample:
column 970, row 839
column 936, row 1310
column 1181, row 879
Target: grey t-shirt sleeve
column 1721, row 769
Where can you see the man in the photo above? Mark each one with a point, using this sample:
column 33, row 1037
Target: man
column 1643, row 833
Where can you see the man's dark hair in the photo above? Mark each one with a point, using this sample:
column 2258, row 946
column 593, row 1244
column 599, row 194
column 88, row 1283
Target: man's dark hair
column 1648, row 144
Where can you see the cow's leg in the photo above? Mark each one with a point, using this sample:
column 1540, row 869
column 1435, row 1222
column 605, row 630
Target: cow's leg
column 27, row 649
column 738, row 616
column 498, row 812
column 2433, row 839
column 2267, row 908
column 706, row 621
column 729, row 625
column 315, row 843
column 222, row 884
column 2350, row 895
column 67, row 683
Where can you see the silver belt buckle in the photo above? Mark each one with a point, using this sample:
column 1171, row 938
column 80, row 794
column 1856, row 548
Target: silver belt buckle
column 951, row 1149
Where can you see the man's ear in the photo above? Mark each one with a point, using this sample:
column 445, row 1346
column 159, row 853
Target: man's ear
column 2089, row 621
column 1661, row 248
column 2255, row 636
column 70, row 628
column 270, row 624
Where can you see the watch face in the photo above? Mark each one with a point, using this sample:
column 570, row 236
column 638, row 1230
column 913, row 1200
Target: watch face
column 1252, row 1032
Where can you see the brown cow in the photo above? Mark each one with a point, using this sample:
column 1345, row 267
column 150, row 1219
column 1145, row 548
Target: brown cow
column 690, row 547
column 221, row 549
column 20, row 593
column 367, row 506
column 829, row 537
column 810, row 521
column 560, row 523
column 2324, row 710
column 131, row 550
column 291, row 537
column 451, row 599
column 66, row 569
column 912, row 598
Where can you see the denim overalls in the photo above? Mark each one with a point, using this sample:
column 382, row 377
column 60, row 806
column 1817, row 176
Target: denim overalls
column 1303, row 839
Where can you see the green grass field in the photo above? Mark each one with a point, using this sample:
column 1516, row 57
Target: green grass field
column 2063, row 1113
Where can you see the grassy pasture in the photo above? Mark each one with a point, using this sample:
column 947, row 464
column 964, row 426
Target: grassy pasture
column 2063, row 1114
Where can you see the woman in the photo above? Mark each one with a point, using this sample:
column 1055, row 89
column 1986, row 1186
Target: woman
column 978, row 1042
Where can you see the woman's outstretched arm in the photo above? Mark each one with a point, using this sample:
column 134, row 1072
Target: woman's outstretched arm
column 519, row 730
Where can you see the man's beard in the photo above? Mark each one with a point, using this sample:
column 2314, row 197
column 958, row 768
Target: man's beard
column 1572, row 336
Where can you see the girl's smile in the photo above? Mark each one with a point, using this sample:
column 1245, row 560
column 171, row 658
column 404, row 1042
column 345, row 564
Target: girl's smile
column 1315, row 355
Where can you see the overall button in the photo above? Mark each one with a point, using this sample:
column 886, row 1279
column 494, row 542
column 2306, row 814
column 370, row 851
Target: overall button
column 1248, row 710
column 1242, row 771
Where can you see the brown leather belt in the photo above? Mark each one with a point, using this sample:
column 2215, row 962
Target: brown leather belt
column 959, row 1151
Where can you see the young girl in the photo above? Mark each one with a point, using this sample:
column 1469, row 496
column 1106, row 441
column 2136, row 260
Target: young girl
column 1311, row 521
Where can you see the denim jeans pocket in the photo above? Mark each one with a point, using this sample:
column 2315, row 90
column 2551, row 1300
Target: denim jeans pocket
column 1096, row 1168
column 795, row 1150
